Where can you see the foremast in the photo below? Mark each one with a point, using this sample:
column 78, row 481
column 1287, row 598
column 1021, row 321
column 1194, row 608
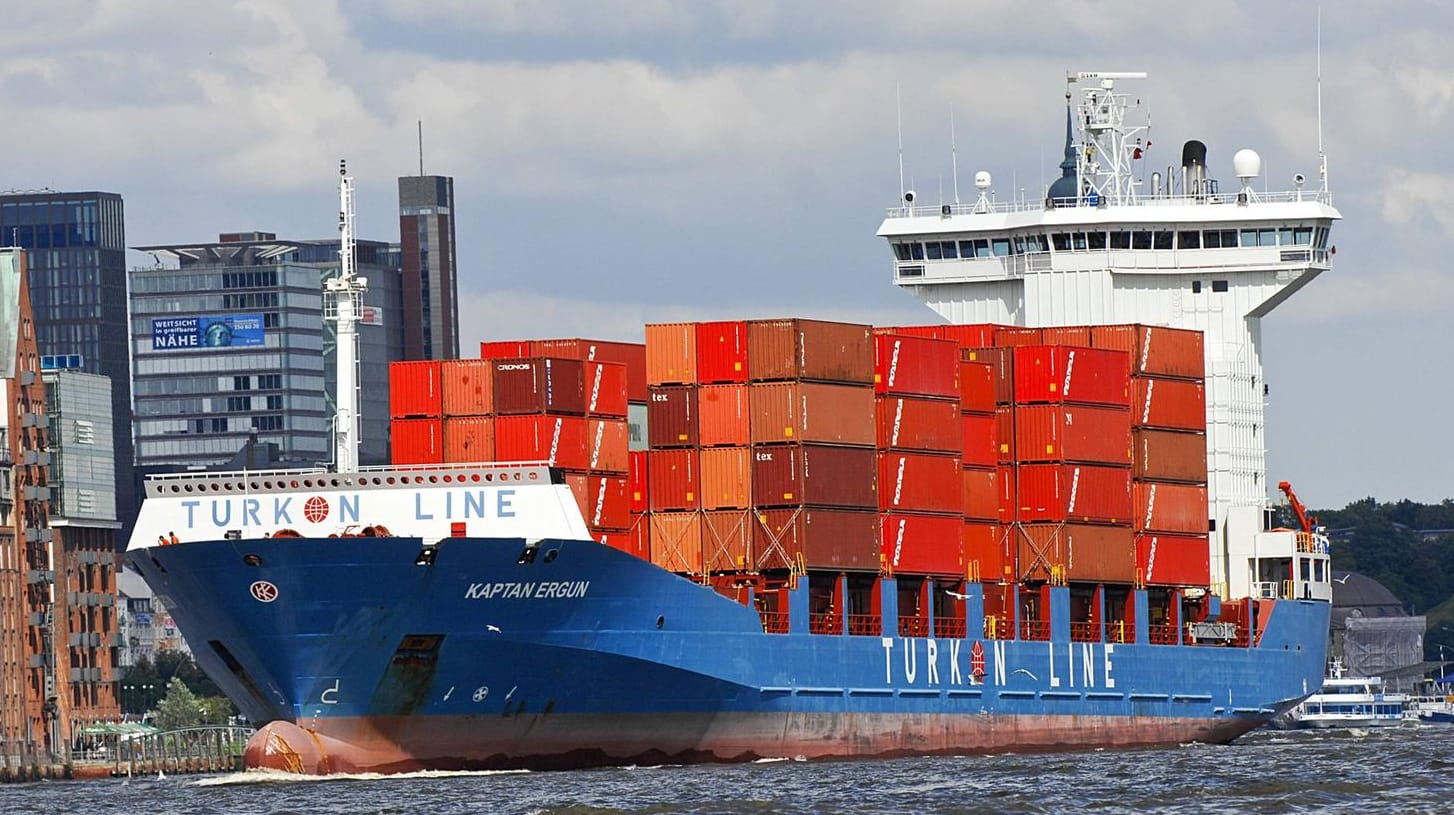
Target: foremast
column 342, row 305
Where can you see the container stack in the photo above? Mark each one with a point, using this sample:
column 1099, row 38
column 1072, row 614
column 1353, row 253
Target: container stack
column 416, row 429
column 1169, row 450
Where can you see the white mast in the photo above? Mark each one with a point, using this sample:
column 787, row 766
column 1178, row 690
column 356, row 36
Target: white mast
column 342, row 298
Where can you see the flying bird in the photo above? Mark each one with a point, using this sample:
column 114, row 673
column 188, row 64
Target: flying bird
column 492, row 627
column 1033, row 677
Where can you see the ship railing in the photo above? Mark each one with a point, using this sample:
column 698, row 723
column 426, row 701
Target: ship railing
column 1085, row 632
column 1021, row 204
column 1267, row 590
column 998, row 628
column 950, row 628
column 865, row 625
column 1163, row 633
column 1038, row 630
column 774, row 622
column 913, row 627
column 1120, row 632
column 825, row 622
column 225, row 475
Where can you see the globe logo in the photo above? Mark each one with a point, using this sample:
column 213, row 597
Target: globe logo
column 315, row 509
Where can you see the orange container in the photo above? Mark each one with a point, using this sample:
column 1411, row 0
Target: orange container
column 608, row 502
column 727, row 539
column 977, row 387
column 465, row 385
column 1011, row 336
column 1081, row 552
column 1079, row 433
column 811, row 411
column 608, row 446
column 825, row 538
column 1079, row 335
column 1058, row 373
column 726, row 475
column 1005, row 434
column 920, row 483
column 676, row 541
column 1156, row 350
column 980, row 440
column 809, row 349
column 1082, row 493
column 1169, row 455
column 469, row 438
column 1169, row 404
column 912, row 543
column 915, row 366
column 1173, row 560
column 630, row 354
column 414, row 389
column 1002, row 361
column 639, row 496
column 989, row 554
column 722, row 352
column 507, row 349
column 1163, row 507
column 673, row 480
column 916, row 424
column 606, row 389
column 671, row 353
column 560, row 441
column 635, row 540
column 981, row 494
column 416, row 441
column 722, row 415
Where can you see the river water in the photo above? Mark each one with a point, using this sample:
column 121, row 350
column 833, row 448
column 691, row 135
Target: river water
column 1401, row 770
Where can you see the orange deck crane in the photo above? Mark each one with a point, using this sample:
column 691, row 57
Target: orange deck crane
column 1304, row 522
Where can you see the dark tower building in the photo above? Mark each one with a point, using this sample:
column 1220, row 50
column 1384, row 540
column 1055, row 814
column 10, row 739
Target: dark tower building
column 426, row 241
column 76, row 243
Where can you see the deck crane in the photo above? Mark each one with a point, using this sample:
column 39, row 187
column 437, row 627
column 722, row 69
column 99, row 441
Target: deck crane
column 1304, row 522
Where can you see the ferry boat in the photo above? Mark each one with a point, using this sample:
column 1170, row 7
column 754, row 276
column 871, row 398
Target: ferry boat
column 461, row 617
column 1350, row 702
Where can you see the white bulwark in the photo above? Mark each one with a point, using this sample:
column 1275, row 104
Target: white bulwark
column 1115, row 241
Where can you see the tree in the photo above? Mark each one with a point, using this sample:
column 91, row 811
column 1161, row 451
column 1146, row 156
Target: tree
column 179, row 708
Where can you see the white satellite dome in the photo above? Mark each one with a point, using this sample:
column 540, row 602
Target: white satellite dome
column 982, row 179
column 1246, row 164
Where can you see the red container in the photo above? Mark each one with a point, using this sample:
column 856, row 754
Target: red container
column 608, row 446
column 811, row 411
column 1173, row 560
column 630, row 354
column 640, row 502
column 1156, row 350
column 560, row 441
column 469, row 438
column 1163, row 507
column 465, row 387
column 980, row 440
column 825, row 538
column 1005, row 434
column 673, row 480
column 1087, row 376
column 977, row 383
column 671, row 416
column 726, row 477
column 1002, row 360
column 722, row 415
column 414, row 389
column 1014, row 336
column 1073, row 433
column 1009, row 510
column 810, row 350
column 922, row 544
column 416, row 441
column 608, row 502
column 1077, row 335
column 671, row 353
column 722, row 352
column 989, row 551
column 636, row 540
column 980, row 494
column 1079, row 552
column 919, row 483
column 915, row 366
column 973, row 335
column 727, row 540
column 1169, row 404
column 1169, row 455
column 539, row 385
column 676, row 541
column 507, row 349
column 916, row 424
column 1082, row 493
column 605, row 384
column 812, row 475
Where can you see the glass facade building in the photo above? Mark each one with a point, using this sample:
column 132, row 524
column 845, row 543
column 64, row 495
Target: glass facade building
column 427, row 258
column 230, row 346
column 76, row 246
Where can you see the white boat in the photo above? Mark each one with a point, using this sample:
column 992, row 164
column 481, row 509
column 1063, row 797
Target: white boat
column 1350, row 701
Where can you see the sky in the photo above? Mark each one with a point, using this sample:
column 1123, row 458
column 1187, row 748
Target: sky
column 618, row 162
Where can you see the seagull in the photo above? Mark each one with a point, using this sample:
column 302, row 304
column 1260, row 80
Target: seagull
column 1343, row 579
column 1033, row 677
column 956, row 595
column 492, row 627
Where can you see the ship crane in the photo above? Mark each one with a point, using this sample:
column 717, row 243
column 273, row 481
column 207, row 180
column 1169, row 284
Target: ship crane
column 1304, row 522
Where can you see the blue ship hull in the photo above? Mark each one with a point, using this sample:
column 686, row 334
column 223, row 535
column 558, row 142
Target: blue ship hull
column 365, row 660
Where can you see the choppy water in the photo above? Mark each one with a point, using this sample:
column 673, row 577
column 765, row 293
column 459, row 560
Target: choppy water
column 1409, row 770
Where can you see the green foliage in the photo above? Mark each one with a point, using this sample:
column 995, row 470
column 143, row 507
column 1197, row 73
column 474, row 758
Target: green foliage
column 145, row 683
column 179, row 708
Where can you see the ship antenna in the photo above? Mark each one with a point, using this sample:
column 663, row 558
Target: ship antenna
column 1322, row 157
column 953, row 155
column 899, row 120
column 343, row 296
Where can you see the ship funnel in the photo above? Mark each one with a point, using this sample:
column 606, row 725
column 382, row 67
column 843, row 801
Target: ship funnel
column 1194, row 168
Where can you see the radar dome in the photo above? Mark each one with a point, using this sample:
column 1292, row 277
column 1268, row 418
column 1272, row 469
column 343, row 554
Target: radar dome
column 982, row 179
column 1246, row 164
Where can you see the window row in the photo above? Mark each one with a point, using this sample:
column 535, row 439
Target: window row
column 1099, row 240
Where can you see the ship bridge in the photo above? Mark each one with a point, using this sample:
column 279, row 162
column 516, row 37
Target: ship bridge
column 1107, row 245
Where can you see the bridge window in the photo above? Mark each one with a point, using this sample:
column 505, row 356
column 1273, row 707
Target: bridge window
column 1302, row 236
column 1000, row 246
column 1077, row 240
column 931, row 250
column 1220, row 238
column 1320, row 237
column 1121, row 240
column 948, row 250
column 1189, row 240
column 1141, row 239
column 1061, row 241
column 1259, row 237
column 901, row 251
column 1219, row 285
column 1036, row 243
column 1161, row 239
column 1095, row 240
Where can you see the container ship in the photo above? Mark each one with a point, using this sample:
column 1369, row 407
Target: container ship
column 1038, row 526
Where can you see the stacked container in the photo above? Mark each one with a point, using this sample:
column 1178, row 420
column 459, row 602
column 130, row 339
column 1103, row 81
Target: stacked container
column 1169, row 450
column 416, row 428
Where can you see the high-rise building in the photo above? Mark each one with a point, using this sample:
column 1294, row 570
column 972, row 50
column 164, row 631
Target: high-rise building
column 230, row 347
column 427, row 257
column 76, row 243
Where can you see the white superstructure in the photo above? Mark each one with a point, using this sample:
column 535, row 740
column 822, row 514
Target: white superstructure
column 1113, row 242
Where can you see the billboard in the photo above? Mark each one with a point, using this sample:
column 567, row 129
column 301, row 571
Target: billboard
column 194, row 333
